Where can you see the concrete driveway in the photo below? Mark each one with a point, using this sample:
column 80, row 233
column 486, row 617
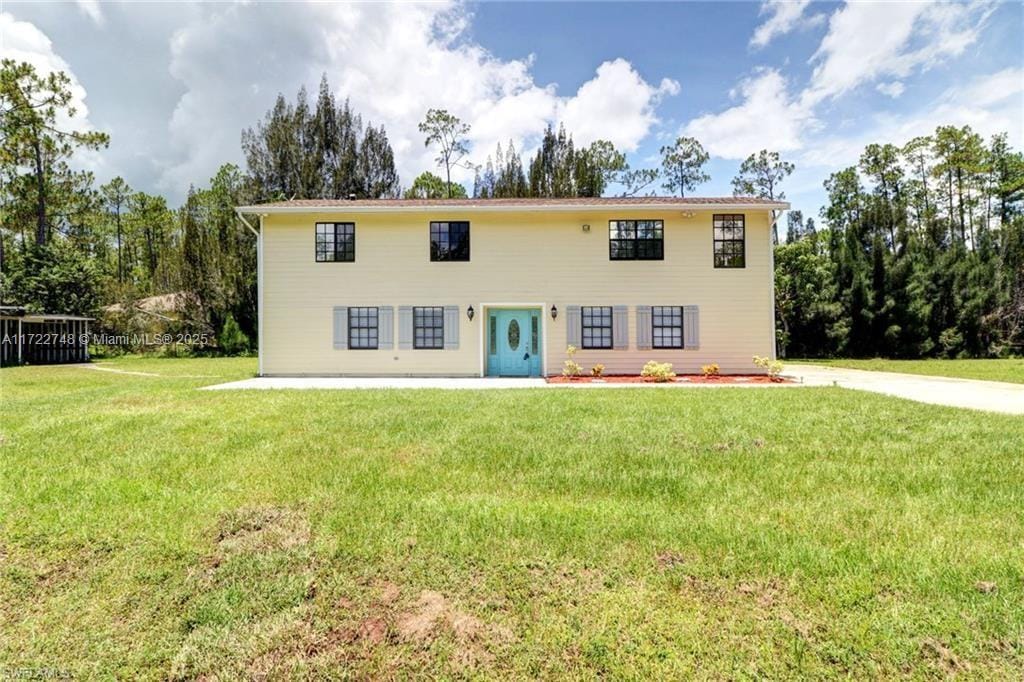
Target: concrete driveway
column 993, row 396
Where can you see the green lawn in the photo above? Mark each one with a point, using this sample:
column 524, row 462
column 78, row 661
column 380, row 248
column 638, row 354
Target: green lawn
column 1011, row 370
column 151, row 530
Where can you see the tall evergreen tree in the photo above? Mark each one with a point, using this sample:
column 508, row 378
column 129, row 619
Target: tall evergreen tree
column 115, row 195
column 377, row 166
column 794, row 226
column 683, row 165
column 761, row 176
column 449, row 134
column 926, row 249
column 34, row 148
column 318, row 153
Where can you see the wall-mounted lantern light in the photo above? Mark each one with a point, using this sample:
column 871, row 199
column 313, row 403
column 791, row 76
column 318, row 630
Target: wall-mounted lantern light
column 554, row 312
column 470, row 313
column 586, row 228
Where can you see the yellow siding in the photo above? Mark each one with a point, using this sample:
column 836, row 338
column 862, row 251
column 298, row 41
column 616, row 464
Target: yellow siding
column 516, row 258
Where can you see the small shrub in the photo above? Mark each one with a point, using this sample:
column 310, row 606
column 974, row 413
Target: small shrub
column 659, row 371
column 711, row 370
column 571, row 368
column 597, row 370
column 772, row 367
column 232, row 340
column 951, row 341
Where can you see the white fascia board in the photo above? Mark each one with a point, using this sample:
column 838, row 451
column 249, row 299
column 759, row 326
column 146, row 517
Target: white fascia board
column 484, row 208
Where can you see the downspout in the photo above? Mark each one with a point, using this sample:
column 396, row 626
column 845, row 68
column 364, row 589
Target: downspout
column 771, row 278
column 259, row 286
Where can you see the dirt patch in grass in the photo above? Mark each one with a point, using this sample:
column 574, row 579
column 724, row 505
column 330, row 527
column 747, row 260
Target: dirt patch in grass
column 368, row 637
column 432, row 612
column 765, row 601
column 433, row 616
column 373, row 630
column 389, row 592
column 39, row 574
column 669, row 559
column 419, row 624
column 262, row 529
column 941, row 654
column 743, row 446
column 373, row 627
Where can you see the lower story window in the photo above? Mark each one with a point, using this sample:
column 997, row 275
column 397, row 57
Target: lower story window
column 667, row 321
column 597, row 326
column 428, row 327
column 362, row 328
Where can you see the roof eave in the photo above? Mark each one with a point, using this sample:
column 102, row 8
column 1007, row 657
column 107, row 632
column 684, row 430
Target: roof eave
column 484, row 208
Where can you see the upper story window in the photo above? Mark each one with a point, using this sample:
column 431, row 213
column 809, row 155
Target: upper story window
column 730, row 241
column 335, row 242
column 362, row 328
column 667, row 326
column 428, row 327
column 597, row 326
column 449, row 241
column 636, row 240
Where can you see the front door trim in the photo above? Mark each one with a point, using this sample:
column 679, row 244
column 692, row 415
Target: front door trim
column 485, row 309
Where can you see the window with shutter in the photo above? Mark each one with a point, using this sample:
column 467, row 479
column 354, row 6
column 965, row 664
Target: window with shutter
column 597, row 326
column 428, row 327
column 667, row 326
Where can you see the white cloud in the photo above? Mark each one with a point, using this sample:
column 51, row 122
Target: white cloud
column 784, row 16
column 394, row 62
column 23, row 42
column 91, row 8
column 865, row 42
column 1001, row 87
column 989, row 104
column 767, row 117
column 879, row 44
column 871, row 40
column 616, row 105
column 892, row 89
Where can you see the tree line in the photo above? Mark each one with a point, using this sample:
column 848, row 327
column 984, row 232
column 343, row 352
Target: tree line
column 69, row 245
column 922, row 254
column 919, row 251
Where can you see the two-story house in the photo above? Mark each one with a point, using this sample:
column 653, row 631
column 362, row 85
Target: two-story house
column 501, row 287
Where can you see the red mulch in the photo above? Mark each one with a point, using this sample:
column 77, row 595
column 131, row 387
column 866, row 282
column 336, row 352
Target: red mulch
column 682, row 378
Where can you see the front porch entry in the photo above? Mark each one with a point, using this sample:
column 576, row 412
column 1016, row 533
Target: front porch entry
column 513, row 342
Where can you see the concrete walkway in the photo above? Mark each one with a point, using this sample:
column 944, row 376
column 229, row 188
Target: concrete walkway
column 451, row 383
column 992, row 396
column 377, row 382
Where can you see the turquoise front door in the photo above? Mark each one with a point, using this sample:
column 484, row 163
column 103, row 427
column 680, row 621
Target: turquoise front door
column 513, row 343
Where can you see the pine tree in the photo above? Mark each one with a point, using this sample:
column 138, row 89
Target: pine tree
column 682, row 165
column 760, row 176
column 377, row 166
column 34, row 148
column 794, row 226
column 115, row 195
column 323, row 153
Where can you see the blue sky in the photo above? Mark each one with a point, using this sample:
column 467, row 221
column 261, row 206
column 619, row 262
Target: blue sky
column 174, row 83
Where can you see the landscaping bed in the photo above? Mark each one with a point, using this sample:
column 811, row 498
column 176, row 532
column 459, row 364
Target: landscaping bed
column 682, row 378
